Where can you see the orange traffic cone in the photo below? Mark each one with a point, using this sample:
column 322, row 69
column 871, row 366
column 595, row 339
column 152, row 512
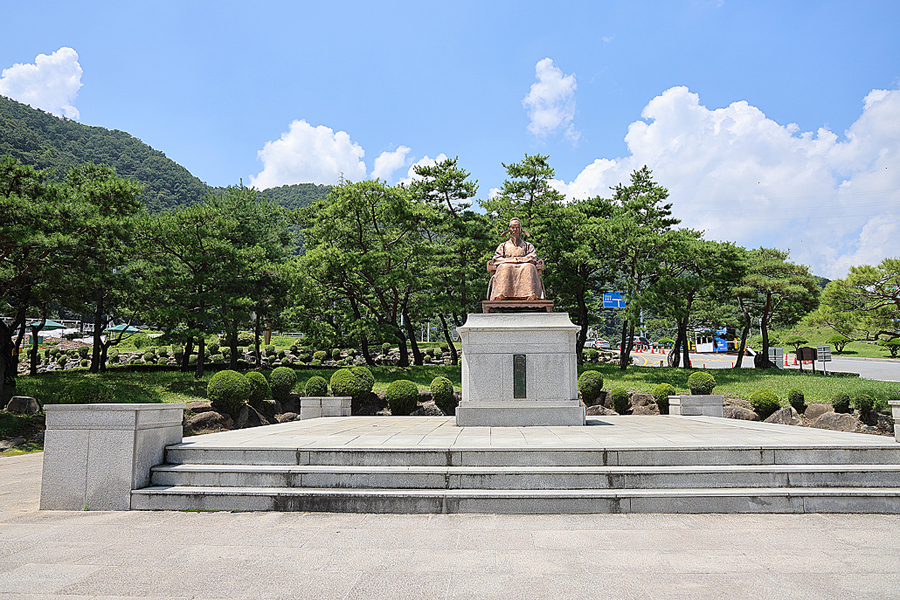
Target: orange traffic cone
column 786, row 362
column 795, row 360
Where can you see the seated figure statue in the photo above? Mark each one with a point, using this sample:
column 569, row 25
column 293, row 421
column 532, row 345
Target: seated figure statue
column 516, row 268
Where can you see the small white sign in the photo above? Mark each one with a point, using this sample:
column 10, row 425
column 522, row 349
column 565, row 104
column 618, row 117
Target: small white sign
column 823, row 353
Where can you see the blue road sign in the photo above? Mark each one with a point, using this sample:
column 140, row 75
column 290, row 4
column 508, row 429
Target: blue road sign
column 613, row 300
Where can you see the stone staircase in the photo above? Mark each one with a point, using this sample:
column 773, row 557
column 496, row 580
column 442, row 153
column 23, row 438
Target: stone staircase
column 528, row 480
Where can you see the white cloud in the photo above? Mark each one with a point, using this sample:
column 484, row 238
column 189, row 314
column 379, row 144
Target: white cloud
column 307, row 154
column 424, row 162
column 388, row 162
column 51, row 83
column 743, row 177
column 551, row 101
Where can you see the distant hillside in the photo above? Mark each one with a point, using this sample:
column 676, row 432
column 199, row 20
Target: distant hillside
column 296, row 196
column 42, row 140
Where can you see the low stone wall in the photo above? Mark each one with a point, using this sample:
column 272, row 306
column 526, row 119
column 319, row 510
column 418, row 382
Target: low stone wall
column 696, row 406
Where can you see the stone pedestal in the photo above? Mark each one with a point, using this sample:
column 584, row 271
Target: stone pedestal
column 95, row 454
column 895, row 412
column 312, row 407
column 697, row 406
column 519, row 369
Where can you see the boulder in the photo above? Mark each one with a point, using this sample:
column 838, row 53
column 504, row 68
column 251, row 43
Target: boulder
column 599, row 409
column 428, row 409
column 816, row 410
column 291, row 404
column 207, row 420
column 835, row 421
column 424, row 396
column 733, row 411
column 250, row 417
column 23, row 405
column 199, row 406
column 785, row 416
column 268, row 409
column 287, row 417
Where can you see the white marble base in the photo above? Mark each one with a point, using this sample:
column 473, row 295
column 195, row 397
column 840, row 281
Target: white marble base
column 695, row 406
column 95, row 454
column 324, row 406
column 895, row 412
column 489, row 343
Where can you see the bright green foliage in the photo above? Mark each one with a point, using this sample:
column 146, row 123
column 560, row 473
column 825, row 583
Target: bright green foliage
column 336, row 354
column 228, row 391
column 442, row 394
column 259, row 388
column 86, row 390
column 269, row 350
column 590, row 384
column 838, row 341
column 661, row 394
column 592, row 354
column 212, row 348
column 795, row 341
column 840, row 402
column 282, row 381
column 797, row 400
column 319, row 355
column 864, row 404
column 402, row 397
column 83, row 351
column 385, row 348
column 620, row 400
column 149, row 355
column 367, row 380
column 764, row 402
column 893, row 346
column 316, row 387
column 701, row 383
column 85, row 362
column 356, row 382
column 866, row 304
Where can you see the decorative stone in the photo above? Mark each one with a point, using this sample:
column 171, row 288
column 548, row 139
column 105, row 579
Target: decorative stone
column 250, row 417
column 835, row 421
column 712, row 405
column 427, row 409
column 206, row 420
column 785, row 416
column 816, row 410
column 739, row 412
column 519, row 369
column 599, row 409
column 23, row 405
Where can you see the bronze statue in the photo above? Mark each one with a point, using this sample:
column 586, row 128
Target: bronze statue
column 516, row 268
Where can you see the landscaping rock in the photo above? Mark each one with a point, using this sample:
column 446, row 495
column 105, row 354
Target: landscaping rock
column 785, row 416
column 207, row 420
column 816, row 410
column 25, row 405
column 287, row 417
column 835, row 421
column 269, row 409
column 250, row 417
column 739, row 412
column 198, row 406
column 291, row 404
column 424, row 396
column 428, row 409
column 599, row 410
column 7, row 444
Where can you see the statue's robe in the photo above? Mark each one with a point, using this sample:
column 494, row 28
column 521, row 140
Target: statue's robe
column 515, row 280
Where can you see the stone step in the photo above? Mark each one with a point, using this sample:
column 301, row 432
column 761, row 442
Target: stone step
column 527, row 478
column 697, row 500
column 538, row 456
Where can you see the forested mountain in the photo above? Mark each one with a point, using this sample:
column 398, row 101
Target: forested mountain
column 43, row 140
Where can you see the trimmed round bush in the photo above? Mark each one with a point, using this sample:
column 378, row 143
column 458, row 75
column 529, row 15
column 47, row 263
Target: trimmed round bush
column 438, row 353
column 797, row 400
column 87, row 389
column 661, row 394
column 227, row 391
column 245, row 339
column 269, row 350
column 85, row 362
column 442, row 394
column 351, row 352
column 282, row 380
column 113, row 356
column 840, row 402
column 282, row 354
column 62, row 360
column 429, row 352
column 355, row 382
column 701, row 383
column 764, row 402
column 319, row 355
column 864, row 403
column 367, row 380
column 592, row 354
column 149, row 355
column 163, row 352
column 619, row 398
column 212, row 348
column 315, row 362
column 385, row 348
column 316, row 386
column 402, row 397
column 590, row 384
column 444, row 346
column 83, row 351
column 336, row 354
column 259, row 388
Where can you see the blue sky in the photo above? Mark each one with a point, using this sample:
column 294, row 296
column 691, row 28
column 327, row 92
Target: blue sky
column 771, row 123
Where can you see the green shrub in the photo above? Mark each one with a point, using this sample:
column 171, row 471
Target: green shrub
column 85, row 362
column 269, row 350
column 259, row 388
column 282, row 380
column 282, row 354
column 71, row 353
column 149, row 355
column 55, row 353
column 212, row 348
column 315, row 362
column 619, row 397
column 429, row 352
column 444, row 346
column 402, row 397
column 112, row 356
column 351, row 352
column 139, row 340
column 227, row 391
column 797, row 400
column 83, row 351
column 225, row 351
column 701, row 383
column 305, row 357
column 245, row 339
column 336, row 354
column 316, row 386
column 385, row 348
column 62, row 360
column 355, row 382
column 864, row 403
column 438, row 353
column 592, row 354
column 764, row 402
column 87, row 389
column 319, row 355
column 590, row 384
column 442, row 394
column 838, row 341
column 840, row 402
column 661, row 394
column 367, row 380
column 163, row 352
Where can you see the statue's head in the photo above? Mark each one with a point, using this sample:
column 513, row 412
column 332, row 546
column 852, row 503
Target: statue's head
column 515, row 229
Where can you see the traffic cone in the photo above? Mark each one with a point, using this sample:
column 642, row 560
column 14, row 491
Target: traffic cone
column 786, row 362
column 795, row 360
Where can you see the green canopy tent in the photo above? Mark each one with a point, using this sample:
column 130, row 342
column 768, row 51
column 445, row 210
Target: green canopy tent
column 48, row 325
column 123, row 327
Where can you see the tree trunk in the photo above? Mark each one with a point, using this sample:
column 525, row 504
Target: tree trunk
column 201, row 357
column 685, row 345
column 7, row 375
column 232, row 345
column 454, row 356
column 623, row 347
column 98, row 329
column 363, row 339
column 257, row 330
column 745, row 331
column 401, row 343
column 188, row 350
column 418, row 359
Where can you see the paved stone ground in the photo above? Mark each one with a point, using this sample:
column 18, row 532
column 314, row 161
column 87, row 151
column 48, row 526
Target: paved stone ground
column 107, row 555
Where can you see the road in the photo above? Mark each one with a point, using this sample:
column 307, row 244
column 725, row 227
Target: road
column 881, row 369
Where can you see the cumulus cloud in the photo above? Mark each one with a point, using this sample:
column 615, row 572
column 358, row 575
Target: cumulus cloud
column 424, row 162
column 307, row 154
column 388, row 162
column 741, row 176
column 551, row 101
column 51, row 83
